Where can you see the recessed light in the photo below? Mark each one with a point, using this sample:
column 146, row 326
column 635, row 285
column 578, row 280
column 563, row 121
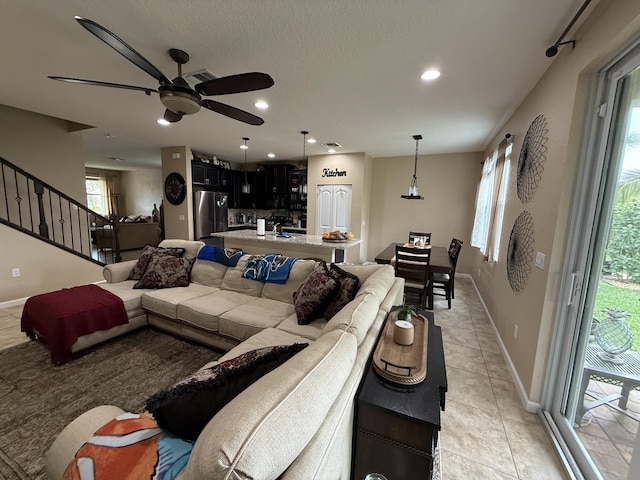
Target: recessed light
column 430, row 75
column 311, row 140
column 244, row 147
column 331, row 150
column 261, row 104
column 163, row 122
column 271, row 155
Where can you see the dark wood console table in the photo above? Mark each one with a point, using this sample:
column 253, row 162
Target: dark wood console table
column 396, row 426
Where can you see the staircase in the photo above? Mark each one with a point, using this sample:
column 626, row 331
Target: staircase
column 33, row 207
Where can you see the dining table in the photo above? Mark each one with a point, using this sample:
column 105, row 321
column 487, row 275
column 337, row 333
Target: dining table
column 439, row 263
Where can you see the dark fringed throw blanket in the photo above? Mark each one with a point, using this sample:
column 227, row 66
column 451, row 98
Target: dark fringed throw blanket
column 59, row 318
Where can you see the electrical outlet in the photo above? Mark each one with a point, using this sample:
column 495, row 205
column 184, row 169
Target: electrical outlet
column 515, row 331
column 15, row 272
column 181, row 218
column 540, row 260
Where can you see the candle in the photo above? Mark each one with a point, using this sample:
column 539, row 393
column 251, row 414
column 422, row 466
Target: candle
column 260, row 226
column 403, row 332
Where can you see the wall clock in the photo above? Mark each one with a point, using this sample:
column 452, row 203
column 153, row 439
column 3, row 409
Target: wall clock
column 175, row 188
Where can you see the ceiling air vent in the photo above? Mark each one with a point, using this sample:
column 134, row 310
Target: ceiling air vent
column 194, row 78
column 331, row 145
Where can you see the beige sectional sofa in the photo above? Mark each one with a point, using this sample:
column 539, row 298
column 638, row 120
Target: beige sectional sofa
column 295, row 422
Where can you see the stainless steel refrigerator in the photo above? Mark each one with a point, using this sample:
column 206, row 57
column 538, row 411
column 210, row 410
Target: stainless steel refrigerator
column 210, row 210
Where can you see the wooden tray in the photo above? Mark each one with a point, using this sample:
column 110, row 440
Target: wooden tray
column 404, row 365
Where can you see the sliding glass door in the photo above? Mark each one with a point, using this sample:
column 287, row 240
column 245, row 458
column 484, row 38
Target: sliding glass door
column 593, row 402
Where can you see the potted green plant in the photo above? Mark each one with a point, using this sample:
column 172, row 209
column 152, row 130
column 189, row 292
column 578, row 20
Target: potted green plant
column 406, row 311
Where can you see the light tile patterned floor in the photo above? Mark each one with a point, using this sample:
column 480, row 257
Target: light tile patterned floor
column 486, row 433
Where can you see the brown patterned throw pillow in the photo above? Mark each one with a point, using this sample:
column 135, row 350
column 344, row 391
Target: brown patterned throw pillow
column 166, row 271
column 185, row 408
column 348, row 285
column 313, row 295
column 145, row 257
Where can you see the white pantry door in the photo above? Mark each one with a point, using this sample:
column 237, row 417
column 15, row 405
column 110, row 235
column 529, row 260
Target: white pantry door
column 334, row 208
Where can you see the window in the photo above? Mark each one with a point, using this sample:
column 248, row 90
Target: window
column 97, row 195
column 492, row 194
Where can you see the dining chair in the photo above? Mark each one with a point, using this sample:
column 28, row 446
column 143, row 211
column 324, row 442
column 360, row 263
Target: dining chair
column 446, row 281
column 413, row 265
column 425, row 236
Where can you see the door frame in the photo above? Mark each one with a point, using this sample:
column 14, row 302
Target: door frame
column 591, row 198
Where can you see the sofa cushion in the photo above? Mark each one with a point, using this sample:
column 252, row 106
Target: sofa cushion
column 300, row 270
column 314, row 294
column 348, row 285
column 260, row 439
column 311, row 330
column 185, row 408
column 164, row 302
column 234, row 281
column 356, row 317
column 204, row 312
column 378, row 283
column 131, row 298
column 147, row 254
column 166, row 271
column 208, row 273
column 191, row 247
column 248, row 319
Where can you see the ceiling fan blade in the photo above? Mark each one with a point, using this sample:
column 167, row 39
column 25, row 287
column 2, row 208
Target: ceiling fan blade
column 242, row 82
column 123, row 48
column 103, row 84
column 171, row 116
column 232, row 112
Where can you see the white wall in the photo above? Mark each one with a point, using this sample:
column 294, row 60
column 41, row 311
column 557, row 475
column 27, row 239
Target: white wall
column 562, row 97
column 142, row 189
column 41, row 146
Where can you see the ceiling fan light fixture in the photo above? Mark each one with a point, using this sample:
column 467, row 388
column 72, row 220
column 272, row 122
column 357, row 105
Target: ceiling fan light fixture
column 163, row 122
column 261, row 104
column 180, row 102
column 430, row 74
column 271, row 155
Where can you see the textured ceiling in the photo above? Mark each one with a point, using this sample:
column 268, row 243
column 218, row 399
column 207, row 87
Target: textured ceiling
column 346, row 71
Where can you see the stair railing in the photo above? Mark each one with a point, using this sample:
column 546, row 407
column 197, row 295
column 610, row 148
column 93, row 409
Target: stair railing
column 36, row 208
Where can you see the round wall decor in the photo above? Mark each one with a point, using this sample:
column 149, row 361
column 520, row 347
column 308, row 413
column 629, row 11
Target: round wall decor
column 520, row 252
column 532, row 156
column 175, row 188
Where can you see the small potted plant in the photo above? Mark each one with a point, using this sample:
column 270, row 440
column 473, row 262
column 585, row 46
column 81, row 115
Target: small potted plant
column 406, row 311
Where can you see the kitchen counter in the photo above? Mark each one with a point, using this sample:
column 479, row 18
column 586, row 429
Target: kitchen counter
column 297, row 245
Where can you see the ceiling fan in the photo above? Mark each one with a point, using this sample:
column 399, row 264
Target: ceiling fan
column 177, row 95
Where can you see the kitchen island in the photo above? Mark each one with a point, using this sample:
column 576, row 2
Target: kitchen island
column 296, row 245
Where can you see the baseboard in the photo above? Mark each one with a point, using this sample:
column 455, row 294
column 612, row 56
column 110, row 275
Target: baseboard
column 527, row 404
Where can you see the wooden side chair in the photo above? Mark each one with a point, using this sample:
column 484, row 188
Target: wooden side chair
column 426, row 236
column 445, row 281
column 413, row 265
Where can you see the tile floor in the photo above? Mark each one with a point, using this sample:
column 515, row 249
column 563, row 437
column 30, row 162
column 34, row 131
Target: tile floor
column 486, row 433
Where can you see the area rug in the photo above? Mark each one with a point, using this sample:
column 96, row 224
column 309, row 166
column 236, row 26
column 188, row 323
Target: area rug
column 37, row 400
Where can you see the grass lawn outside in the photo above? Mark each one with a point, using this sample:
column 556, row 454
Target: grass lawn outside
column 612, row 293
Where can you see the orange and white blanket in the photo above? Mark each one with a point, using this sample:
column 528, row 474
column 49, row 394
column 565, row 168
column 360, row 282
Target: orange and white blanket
column 130, row 447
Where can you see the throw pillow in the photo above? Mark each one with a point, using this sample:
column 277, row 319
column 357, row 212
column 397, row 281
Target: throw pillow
column 348, row 285
column 185, row 408
column 166, row 271
column 145, row 257
column 312, row 296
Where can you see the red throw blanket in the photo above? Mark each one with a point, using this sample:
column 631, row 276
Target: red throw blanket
column 60, row 317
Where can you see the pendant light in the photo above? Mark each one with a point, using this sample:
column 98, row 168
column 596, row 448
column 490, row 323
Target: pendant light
column 304, row 133
column 246, row 188
column 413, row 187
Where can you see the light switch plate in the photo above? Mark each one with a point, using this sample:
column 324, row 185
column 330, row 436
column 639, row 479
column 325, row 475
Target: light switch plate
column 540, row 260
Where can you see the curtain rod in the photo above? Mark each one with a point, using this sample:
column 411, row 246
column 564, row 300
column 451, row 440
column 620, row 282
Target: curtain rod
column 553, row 49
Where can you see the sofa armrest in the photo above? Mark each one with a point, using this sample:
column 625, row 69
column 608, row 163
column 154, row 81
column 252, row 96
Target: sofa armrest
column 118, row 272
column 69, row 441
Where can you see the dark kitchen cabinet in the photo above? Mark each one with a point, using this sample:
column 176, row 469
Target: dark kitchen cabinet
column 204, row 174
column 297, row 190
column 255, row 198
column 276, row 178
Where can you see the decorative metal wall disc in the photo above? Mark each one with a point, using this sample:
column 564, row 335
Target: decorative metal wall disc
column 532, row 156
column 520, row 252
